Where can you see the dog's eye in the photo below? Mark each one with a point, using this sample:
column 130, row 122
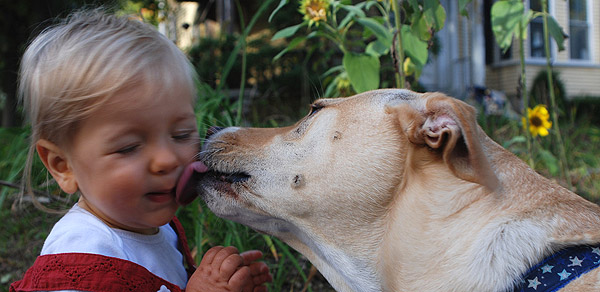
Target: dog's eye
column 314, row 108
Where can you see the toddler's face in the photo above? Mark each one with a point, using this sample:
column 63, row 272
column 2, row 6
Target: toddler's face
column 128, row 156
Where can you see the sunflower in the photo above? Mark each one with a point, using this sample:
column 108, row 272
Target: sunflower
column 314, row 11
column 538, row 120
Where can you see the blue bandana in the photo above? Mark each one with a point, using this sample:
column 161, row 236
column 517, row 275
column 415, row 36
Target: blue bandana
column 557, row 270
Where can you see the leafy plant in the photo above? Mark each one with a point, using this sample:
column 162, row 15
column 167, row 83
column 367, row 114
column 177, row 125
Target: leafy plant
column 366, row 31
column 509, row 20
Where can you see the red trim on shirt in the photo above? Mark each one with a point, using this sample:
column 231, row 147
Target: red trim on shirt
column 183, row 246
column 88, row 272
column 93, row 272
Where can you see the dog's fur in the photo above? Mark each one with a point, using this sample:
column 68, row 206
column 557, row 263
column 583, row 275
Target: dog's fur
column 392, row 190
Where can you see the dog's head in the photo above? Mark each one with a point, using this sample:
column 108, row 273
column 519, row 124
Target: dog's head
column 326, row 184
column 346, row 154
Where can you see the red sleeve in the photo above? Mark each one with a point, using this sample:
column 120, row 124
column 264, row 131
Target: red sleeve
column 88, row 272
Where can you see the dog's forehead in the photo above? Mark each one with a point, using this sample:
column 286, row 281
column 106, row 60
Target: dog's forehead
column 395, row 94
column 376, row 98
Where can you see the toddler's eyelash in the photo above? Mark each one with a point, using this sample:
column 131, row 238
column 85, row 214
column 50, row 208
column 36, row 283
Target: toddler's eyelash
column 183, row 136
column 126, row 150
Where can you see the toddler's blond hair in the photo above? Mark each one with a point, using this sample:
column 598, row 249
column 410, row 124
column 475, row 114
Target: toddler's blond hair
column 72, row 68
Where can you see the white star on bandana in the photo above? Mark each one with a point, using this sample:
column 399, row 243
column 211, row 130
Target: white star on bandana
column 534, row 283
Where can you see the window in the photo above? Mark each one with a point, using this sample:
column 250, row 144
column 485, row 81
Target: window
column 578, row 30
column 536, row 31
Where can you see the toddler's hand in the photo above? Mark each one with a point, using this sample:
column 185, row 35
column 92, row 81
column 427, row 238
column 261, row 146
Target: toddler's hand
column 259, row 272
column 224, row 269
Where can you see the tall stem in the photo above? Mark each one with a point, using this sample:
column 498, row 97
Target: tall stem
column 561, row 146
column 240, row 107
column 525, row 94
column 400, row 79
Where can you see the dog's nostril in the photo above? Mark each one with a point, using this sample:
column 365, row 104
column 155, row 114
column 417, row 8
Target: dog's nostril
column 212, row 130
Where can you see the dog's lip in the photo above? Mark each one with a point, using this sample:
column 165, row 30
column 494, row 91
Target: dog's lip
column 229, row 177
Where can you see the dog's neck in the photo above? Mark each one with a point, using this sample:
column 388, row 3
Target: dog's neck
column 432, row 229
column 348, row 264
column 343, row 271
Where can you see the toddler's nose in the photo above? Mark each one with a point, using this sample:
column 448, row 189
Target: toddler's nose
column 165, row 160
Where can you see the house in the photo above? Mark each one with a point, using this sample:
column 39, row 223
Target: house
column 470, row 56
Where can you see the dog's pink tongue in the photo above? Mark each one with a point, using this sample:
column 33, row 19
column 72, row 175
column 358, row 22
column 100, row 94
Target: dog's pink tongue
column 186, row 192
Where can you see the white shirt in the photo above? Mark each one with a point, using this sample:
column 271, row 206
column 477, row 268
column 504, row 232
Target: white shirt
column 81, row 232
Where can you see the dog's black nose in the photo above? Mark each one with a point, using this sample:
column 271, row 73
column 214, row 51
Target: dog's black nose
column 212, row 130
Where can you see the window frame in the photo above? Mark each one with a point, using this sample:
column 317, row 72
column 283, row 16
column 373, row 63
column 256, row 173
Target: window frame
column 539, row 20
column 589, row 27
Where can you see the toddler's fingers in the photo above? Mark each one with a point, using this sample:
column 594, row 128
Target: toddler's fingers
column 222, row 255
column 240, row 279
column 210, row 254
column 260, row 274
column 258, row 268
column 230, row 265
column 250, row 256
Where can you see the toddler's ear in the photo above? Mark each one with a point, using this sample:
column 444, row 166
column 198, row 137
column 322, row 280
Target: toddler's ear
column 57, row 164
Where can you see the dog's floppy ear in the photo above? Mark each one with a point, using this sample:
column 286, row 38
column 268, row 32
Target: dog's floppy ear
column 450, row 127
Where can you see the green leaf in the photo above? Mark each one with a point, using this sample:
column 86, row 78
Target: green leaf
column 514, row 140
column 380, row 31
column 506, row 16
column 363, row 71
column 421, row 28
column 367, row 5
column 527, row 17
column 349, row 17
column 281, row 4
column 556, row 32
column 413, row 46
column 462, row 7
column 550, row 161
column 332, row 88
column 352, row 9
column 434, row 14
column 334, row 69
column 377, row 48
column 414, row 4
column 288, row 31
column 294, row 43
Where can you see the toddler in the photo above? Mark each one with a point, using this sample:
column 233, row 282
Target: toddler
column 111, row 106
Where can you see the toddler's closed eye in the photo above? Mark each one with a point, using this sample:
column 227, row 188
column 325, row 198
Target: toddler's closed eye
column 183, row 136
column 127, row 149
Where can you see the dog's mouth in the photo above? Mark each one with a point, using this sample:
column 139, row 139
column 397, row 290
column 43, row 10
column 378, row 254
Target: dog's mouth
column 234, row 177
column 187, row 186
column 225, row 182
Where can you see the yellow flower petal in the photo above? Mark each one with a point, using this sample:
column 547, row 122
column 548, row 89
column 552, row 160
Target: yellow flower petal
column 538, row 120
column 314, row 11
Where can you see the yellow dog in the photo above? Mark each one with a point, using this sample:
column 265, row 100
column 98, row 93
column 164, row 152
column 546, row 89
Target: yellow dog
column 392, row 190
